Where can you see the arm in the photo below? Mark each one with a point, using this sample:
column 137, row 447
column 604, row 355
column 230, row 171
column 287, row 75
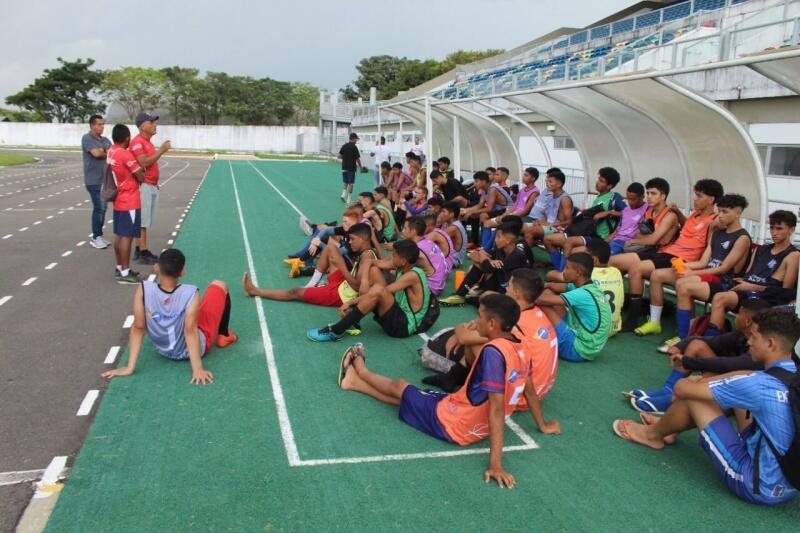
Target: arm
column 720, row 365
column 550, row 300
column 556, row 286
column 528, row 205
column 740, row 247
column 135, row 338
column 689, row 389
column 404, row 282
column 192, row 334
column 139, row 175
column 496, row 438
column 790, row 279
column 669, row 222
column 678, row 213
column 704, row 259
column 467, row 335
column 535, row 408
column 565, row 213
column 147, row 160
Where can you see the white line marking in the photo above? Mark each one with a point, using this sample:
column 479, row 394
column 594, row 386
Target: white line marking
column 174, row 233
column 170, row 241
column 110, row 221
column 128, row 322
column 21, row 476
column 65, row 254
column 51, row 266
column 37, row 222
column 50, row 476
column 112, row 355
column 23, row 228
column 49, row 217
column 177, row 226
column 151, row 277
column 29, row 281
column 8, row 236
column 87, row 403
column 81, row 243
column 178, row 172
column 424, row 336
column 4, row 299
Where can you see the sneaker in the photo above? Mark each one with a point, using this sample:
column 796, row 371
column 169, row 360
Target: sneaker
column 131, row 279
column 454, row 300
column 98, row 243
column 656, row 404
column 667, row 344
column 295, row 267
column 105, row 241
column 648, row 328
column 473, row 292
column 354, row 330
column 225, row 340
column 148, row 253
column 136, row 254
column 145, row 259
column 305, row 225
column 323, row 335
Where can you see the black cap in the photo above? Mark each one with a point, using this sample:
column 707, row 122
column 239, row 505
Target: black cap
column 353, row 136
column 145, row 117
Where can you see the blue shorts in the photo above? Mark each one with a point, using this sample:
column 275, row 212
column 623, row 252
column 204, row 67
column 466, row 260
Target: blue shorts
column 128, row 223
column 566, row 343
column 348, row 176
column 418, row 410
column 617, row 247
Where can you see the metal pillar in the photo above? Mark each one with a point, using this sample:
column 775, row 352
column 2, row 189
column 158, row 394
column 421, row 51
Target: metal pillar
column 429, row 144
column 400, row 136
column 379, row 125
column 456, row 149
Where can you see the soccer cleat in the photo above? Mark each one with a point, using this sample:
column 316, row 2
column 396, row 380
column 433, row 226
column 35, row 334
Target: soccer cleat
column 667, row 344
column 131, row 279
column 98, row 243
column 323, row 335
column 655, row 404
column 225, row 340
column 354, row 330
column 454, row 300
column 648, row 328
column 295, row 268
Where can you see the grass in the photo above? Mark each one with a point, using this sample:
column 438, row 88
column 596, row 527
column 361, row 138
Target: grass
column 7, row 160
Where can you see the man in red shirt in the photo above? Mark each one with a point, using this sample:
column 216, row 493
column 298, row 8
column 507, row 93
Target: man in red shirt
column 128, row 174
column 147, row 156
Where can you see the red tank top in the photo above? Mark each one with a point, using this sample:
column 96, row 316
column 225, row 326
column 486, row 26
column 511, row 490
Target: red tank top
column 465, row 423
column 691, row 241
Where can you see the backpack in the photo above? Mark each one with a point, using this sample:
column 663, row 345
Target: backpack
column 108, row 187
column 433, row 353
column 431, row 313
column 584, row 223
column 790, row 461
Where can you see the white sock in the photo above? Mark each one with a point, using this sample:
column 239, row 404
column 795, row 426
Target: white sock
column 125, row 272
column 655, row 313
column 344, row 192
column 315, row 279
column 347, row 199
column 119, row 268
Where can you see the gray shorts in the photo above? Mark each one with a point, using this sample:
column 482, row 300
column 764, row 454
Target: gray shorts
column 149, row 196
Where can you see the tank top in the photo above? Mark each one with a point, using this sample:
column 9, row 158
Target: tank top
column 389, row 229
column 765, row 264
column 460, row 255
column 414, row 318
column 346, row 292
column 465, row 423
column 609, row 281
column 722, row 244
column 692, row 239
column 450, row 248
column 522, row 199
column 165, row 314
column 554, row 206
column 441, row 268
column 539, row 340
column 504, row 193
column 657, row 220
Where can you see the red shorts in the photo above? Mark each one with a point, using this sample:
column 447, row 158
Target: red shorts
column 327, row 295
column 212, row 306
column 710, row 278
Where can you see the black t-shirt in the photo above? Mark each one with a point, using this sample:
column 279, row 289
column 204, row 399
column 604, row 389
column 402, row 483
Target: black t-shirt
column 350, row 155
column 511, row 262
column 453, row 188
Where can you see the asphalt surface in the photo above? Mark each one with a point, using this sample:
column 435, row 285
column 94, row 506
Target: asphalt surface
column 65, row 309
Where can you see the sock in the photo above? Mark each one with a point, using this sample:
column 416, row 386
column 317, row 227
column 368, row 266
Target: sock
column 655, row 313
column 487, row 238
column 673, row 378
column 226, row 317
column 563, row 263
column 555, row 258
column 125, row 272
column 119, row 268
column 315, row 279
column 684, row 319
column 137, row 249
column 454, row 378
column 344, row 192
column 352, row 317
column 712, row 331
column 634, row 310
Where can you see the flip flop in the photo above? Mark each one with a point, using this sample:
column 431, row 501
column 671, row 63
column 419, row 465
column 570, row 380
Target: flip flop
column 620, row 428
column 635, row 393
column 648, row 419
column 343, row 367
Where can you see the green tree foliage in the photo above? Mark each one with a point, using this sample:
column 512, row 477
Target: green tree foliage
column 135, row 89
column 177, row 90
column 305, row 99
column 63, row 93
column 375, row 71
column 21, row 115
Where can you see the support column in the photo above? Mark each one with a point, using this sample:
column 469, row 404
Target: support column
column 429, row 144
column 400, row 137
column 456, row 149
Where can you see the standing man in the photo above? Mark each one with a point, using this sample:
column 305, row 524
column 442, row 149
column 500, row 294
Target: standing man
column 351, row 160
column 95, row 147
column 380, row 154
column 147, row 156
column 418, row 151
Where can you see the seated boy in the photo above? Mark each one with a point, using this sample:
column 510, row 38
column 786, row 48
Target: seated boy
column 608, row 278
column 345, row 274
column 748, row 465
column 720, row 354
column 526, row 198
column 432, row 258
column 180, row 324
column 559, row 209
column 380, row 209
column 450, row 188
column 444, row 167
column 582, row 315
column 611, row 204
column 771, row 275
column 491, row 270
column 399, row 307
column 493, row 202
column 500, row 377
column 448, row 221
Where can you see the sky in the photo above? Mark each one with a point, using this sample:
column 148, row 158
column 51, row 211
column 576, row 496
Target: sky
column 316, row 41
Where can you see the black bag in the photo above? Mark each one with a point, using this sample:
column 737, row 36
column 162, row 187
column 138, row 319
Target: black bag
column 583, row 224
column 433, row 353
column 790, row 461
column 108, row 187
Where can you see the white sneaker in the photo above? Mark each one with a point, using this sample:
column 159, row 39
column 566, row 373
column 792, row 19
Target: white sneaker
column 305, row 226
column 98, row 243
column 105, row 241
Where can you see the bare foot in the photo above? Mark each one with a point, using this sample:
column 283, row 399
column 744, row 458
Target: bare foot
column 641, row 434
column 247, row 285
column 350, row 378
column 651, row 420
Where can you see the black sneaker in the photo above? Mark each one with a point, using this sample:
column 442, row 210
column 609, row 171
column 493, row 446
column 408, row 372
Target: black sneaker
column 306, row 272
column 136, row 254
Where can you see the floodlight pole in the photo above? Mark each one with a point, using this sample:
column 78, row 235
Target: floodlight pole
column 456, row 149
column 429, row 144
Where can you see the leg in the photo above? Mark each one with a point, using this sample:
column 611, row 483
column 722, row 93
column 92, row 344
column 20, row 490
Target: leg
column 681, row 416
column 214, row 315
column 293, row 294
column 555, row 314
column 122, row 249
column 720, row 304
column 98, row 210
column 572, row 244
column 624, row 262
column 658, row 277
column 699, row 349
column 361, row 379
column 637, row 275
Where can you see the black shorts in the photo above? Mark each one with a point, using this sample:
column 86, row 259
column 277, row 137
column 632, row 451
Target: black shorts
column 730, row 344
column 394, row 322
column 659, row 260
column 348, row 176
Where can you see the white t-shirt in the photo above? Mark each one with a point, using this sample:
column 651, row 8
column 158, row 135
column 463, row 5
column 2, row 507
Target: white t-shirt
column 381, row 154
column 417, row 149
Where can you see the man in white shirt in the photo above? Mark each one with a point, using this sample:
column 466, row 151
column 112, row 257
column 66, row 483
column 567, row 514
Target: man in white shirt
column 381, row 154
column 417, row 149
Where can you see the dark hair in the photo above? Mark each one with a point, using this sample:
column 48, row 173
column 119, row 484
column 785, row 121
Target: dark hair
column 503, row 169
column 636, row 188
column 529, row 282
column 781, row 323
column 398, row 165
column 119, row 133
column 380, row 189
column 503, row 308
column 609, row 174
column 435, row 200
column 511, row 228
column 600, row 250
column 445, row 160
column 515, row 222
column 551, row 170
column 427, row 216
column 410, row 155
column 362, row 230
column 435, row 174
column 94, row 118
column 417, row 224
column 733, row 200
column 583, row 262
column 367, row 194
column 171, row 262
column 386, row 164
column 754, row 305
column 383, row 139
column 480, row 175
column 490, row 169
column 660, row 184
column 710, row 187
column 453, row 207
column 557, row 174
column 533, row 171
column 408, row 250
column 781, row 216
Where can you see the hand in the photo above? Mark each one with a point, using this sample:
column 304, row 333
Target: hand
column 673, row 349
column 503, row 478
column 166, row 146
column 343, row 310
column 201, row 377
column 551, row 428
column 674, row 208
column 496, row 263
column 600, row 216
column 745, row 286
column 117, row 372
column 676, row 360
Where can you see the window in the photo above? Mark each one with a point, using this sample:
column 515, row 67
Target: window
column 563, row 143
column 784, row 161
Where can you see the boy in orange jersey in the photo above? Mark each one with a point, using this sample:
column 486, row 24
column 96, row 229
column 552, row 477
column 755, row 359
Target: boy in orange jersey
column 500, row 377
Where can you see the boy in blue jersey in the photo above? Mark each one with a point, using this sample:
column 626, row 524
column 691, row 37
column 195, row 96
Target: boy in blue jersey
column 739, row 456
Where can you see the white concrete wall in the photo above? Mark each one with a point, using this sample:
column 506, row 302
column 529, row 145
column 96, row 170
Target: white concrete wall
column 231, row 138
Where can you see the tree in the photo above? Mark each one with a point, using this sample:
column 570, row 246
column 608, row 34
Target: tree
column 63, row 93
column 177, row 88
column 378, row 72
column 135, row 89
column 414, row 73
column 22, row 115
column 305, row 98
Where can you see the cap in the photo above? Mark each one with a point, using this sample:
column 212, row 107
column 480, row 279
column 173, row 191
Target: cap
column 145, row 117
column 353, row 136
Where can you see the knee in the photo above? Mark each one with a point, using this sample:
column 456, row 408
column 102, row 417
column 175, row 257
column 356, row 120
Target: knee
column 221, row 284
